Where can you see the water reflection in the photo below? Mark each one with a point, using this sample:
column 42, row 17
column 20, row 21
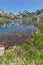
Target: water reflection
column 15, row 25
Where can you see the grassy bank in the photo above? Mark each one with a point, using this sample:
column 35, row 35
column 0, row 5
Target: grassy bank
column 6, row 18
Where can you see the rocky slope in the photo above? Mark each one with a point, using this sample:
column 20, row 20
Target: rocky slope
column 6, row 14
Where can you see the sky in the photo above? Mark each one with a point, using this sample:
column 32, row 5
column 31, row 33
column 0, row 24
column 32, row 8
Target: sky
column 15, row 6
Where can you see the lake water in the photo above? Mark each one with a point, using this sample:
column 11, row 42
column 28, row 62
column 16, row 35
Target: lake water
column 6, row 26
column 15, row 33
column 18, row 26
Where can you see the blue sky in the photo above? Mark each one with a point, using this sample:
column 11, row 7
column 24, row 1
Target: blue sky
column 20, row 5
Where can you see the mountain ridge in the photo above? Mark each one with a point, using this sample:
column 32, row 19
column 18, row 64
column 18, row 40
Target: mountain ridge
column 5, row 13
column 22, row 15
